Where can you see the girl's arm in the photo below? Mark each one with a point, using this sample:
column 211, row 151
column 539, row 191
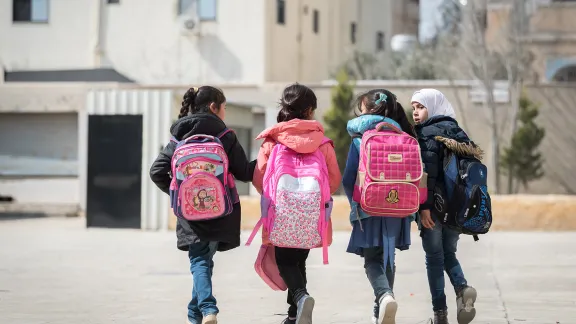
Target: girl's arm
column 159, row 171
column 351, row 171
column 333, row 169
column 261, row 164
column 239, row 166
column 432, row 158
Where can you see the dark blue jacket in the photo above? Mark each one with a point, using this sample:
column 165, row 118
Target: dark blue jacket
column 433, row 134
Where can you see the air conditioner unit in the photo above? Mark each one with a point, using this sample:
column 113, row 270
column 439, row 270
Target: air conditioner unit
column 189, row 24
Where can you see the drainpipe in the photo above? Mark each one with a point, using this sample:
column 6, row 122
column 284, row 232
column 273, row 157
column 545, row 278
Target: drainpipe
column 99, row 48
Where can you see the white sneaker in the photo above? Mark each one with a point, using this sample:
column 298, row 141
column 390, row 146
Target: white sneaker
column 388, row 308
column 465, row 300
column 210, row 319
column 374, row 320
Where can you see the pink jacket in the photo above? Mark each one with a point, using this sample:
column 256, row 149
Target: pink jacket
column 303, row 136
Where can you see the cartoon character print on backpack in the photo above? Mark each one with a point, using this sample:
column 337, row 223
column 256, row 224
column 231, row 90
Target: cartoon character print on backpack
column 202, row 188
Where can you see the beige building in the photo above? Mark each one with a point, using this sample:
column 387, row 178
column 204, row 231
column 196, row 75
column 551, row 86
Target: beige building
column 550, row 35
column 198, row 41
column 308, row 39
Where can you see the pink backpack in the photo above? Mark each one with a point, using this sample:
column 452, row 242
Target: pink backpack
column 389, row 173
column 202, row 187
column 296, row 203
column 267, row 268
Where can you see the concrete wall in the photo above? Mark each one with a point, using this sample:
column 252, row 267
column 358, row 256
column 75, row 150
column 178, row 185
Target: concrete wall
column 511, row 213
column 551, row 35
column 32, row 46
column 558, row 148
column 295, row 52
column 144, row 40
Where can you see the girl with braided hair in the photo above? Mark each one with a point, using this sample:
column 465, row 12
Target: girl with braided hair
column 203, row 111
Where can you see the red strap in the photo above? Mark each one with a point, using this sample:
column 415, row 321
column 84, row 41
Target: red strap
column 226, row 131
column 389, row 126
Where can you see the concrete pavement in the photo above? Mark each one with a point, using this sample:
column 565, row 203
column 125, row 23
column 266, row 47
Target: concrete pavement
column 53, row 270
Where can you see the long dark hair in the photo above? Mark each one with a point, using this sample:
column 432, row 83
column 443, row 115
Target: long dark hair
column 390, row 107
column 198, row 100
column 296, row 102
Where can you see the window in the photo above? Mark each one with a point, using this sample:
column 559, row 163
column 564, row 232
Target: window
column 380, row 41
column 281, row 12
column 206, row 9
column 113, row 1
column 316, row 21
column 30, row 11
column 353, row 33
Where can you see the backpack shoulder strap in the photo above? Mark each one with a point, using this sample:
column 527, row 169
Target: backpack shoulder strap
column 327, row 140
column 224, row 132
column 173, row 139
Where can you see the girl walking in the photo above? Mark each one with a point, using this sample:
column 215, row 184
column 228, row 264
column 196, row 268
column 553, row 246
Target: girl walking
column 203, row 111
column 434, row 116
column 296, row 130
column 375, row 238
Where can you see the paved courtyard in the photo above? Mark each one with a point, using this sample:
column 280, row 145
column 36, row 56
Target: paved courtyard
column 53, row 270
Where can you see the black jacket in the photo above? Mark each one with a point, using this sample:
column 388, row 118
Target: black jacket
column 225, row 230
column 433, row 150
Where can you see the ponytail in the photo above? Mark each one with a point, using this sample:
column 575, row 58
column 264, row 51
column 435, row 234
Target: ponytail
column 198, row 100
column 187, row 102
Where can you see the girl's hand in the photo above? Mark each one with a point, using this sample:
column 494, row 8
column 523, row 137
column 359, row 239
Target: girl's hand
column 426, row 219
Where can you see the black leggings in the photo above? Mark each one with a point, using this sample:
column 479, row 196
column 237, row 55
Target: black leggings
column 292, row 266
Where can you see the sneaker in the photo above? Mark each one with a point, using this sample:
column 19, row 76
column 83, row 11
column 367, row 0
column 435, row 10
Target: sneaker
column 441, row 317
column 388, row 308
column 305, row 308
column 289, row 320
column 375, row 313
column 465, row 300
column 196, row 321
column 210, row 319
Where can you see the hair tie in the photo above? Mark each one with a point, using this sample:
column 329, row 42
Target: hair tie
column 382, row 98
column 195, row 89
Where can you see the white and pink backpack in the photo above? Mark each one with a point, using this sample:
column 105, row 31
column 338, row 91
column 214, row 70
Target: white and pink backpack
column 202, row 187
column 389, row 173
column 296, row 203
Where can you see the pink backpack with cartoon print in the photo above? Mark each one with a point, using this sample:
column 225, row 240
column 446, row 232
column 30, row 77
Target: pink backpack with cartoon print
column 389, row 173
column 202, row 188
column 296, row 203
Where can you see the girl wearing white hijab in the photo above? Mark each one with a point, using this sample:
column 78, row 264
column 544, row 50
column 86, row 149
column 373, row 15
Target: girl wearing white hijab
column 436, row 127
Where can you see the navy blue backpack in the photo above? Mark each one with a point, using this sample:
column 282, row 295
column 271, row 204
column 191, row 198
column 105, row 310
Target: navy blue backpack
column 461, row 201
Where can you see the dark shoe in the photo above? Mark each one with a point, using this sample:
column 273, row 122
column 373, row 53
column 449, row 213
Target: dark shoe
column 287, row 320
column 465, row 299
column 441, row 317
column 305, row 308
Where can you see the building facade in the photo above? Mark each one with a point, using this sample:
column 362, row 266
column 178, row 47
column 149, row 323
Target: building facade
column 548, row 33
column 199, row 41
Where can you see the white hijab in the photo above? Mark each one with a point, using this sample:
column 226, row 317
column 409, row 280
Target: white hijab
column 435, row 101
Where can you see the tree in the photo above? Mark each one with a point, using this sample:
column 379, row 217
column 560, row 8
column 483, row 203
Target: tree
column 522, row 161
column 487, row 57
column 336, row 119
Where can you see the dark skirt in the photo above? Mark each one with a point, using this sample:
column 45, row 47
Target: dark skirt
column 386, row 232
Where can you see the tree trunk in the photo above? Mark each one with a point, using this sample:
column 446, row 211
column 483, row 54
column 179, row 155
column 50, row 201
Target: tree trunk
column 495, row 138
column 515, row 99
